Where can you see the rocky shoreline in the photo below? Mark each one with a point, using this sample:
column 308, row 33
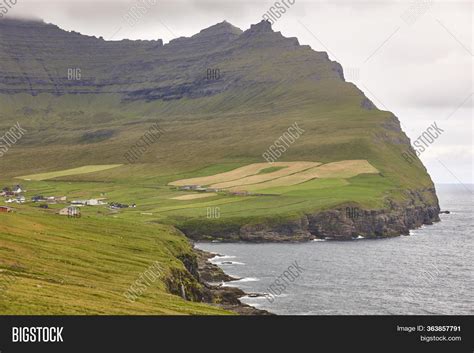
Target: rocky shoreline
column 345, row 222
column 212, row 278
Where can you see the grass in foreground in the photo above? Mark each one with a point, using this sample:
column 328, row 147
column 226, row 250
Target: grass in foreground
column 83, row 266
column 75, row 171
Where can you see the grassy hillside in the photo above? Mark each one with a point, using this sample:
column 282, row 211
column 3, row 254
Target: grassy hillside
column 75, row 128
column 81, row 266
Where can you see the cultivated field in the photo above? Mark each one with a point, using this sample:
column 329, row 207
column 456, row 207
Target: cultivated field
column 292, row 173
column 342, row 169
column 235, row 174
column 194, row 196
column 75, row 171
column 293, row 167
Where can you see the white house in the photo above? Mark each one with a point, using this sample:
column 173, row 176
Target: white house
column 91, row 202
column 95, row 202
column 70, row 211
column 20, row 199
column 78, row 202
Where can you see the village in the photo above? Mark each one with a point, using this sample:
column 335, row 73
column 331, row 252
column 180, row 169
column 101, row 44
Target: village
column 16, row 195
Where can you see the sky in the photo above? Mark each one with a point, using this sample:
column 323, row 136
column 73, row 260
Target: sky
column 413, row 58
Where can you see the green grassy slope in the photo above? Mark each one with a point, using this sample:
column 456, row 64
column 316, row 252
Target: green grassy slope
column 83, row 266
column 267, row 83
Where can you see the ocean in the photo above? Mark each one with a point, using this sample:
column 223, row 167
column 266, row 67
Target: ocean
column 428, row 272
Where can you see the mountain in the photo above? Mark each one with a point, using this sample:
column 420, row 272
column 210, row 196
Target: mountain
column 132, row 122
column 36, row 58
column 223, row 97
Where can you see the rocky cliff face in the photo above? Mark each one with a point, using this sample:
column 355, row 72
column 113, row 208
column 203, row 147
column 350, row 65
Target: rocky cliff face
column 38, row 58
column 344, row 222
column 202, row 282
column 395, row 221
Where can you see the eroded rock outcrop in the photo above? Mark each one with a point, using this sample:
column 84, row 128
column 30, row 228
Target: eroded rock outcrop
column 337, row 224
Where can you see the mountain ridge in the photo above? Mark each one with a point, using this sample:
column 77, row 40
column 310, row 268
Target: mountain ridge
column 101, row 75
column 265, row 83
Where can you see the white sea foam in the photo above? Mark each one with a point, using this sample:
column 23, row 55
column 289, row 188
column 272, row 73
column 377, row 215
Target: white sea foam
column 228, row 263
column 224, row 257
column 246, row 279
column 218, row 259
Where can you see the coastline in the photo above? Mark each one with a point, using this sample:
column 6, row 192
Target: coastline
column 344, row 222
column 227, row 298
column 335, row 224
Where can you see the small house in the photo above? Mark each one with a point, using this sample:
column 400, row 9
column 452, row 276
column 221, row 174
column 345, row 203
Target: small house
column 94, row 202
column 78, row 202
column 70, row 211
column 91, row 202
column 51, row 200
column 17, row 189
column 189, row 187
column 20, row 199
column 5, row 209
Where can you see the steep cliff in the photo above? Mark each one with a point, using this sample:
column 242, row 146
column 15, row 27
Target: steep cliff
column 223, row 96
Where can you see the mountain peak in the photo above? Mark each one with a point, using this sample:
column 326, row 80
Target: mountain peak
column 262, row 26
column 218, row 34
column 221, row 28
column 261, row 29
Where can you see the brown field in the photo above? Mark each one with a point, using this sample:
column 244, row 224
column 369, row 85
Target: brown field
column 288, row 180
column 247, row 178
column 342, row 169
column 235, row 174
column 345, row 169
column 238, row 173
column 194, row 196
column 293, row 167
